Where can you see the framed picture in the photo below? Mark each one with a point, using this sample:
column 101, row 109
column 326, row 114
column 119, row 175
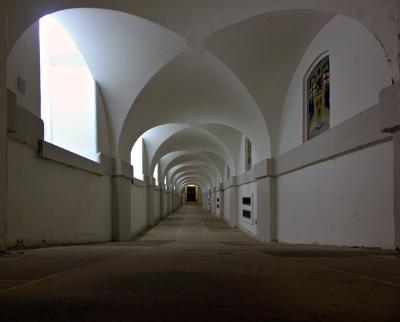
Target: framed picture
column 248, row 160
column 317, row 101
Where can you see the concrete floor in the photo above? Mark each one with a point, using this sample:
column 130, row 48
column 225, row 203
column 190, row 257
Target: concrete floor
column 193, row 267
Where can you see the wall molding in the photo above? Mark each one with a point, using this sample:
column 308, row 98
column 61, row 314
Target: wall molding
column 53, row 152
column 359, row 132
column 23, row 125
column 138, row 182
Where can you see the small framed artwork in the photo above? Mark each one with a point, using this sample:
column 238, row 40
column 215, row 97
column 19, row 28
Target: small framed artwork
column 248, row 160
column 317, row 98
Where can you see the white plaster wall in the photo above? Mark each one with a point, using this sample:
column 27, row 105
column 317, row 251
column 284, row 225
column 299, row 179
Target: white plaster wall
column 358, row 71
column 3, row 126
column 156, row 208
column 213, row 202
column 227, row 205
column 138, row 207
column 248, row 190
column 345, row 201
column 24, row 61
column 210, row 201
column 52, row 202
column 165, row 203
column 104, row 135
column 218, row 204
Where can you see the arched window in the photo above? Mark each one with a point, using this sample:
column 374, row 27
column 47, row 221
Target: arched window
column 155, row 174
column 68, row 92
column 137, row 158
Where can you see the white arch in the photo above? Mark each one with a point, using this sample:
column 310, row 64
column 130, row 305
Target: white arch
column 194, row 140
column 195, row 179
column 181, row 174
column 194, row 167
column 196, row 90
column 178, row 157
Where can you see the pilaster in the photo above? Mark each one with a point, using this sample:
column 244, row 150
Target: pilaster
column 3, row 128
column 148, row 181
column 267, row 216
column 389, row 105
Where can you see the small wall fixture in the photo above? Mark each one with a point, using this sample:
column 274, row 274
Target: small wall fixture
column 246, row 200
column 246, row 214
column 21, row 85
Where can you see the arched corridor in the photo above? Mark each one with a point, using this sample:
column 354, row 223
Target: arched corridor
column 220, row 141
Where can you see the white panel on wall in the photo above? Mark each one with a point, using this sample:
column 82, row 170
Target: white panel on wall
column 248, row 191
column 345, row 201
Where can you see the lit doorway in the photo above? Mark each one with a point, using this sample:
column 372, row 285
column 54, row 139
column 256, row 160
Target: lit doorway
column 191, row 193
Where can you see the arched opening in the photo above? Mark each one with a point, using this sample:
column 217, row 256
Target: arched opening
column 137, row 158
column 191, row 193
column 155, row 175
column 68, row 91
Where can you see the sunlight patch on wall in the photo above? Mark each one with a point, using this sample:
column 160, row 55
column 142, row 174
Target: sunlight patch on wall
column 68, row 100
column 137, row 158
column 155, row 174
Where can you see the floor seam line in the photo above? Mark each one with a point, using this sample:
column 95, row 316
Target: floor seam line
column 35, row 281
column 360, row 276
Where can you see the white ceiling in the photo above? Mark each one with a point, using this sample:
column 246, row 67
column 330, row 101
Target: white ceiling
column 196, row 76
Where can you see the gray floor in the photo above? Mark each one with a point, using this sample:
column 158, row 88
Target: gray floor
column 193, row 267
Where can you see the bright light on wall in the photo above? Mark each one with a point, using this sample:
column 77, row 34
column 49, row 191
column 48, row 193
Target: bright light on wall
column 137, row 158
column 155, row 174
column 68, row 94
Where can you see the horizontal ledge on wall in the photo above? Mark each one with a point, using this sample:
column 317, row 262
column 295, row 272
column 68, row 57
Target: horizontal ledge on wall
column 339, row 154
column 239, row 180
column 55, row 153
column 389, row 102
column 23, row 125
column 116, row 167
column 138, row 182
column 265, row 168
column 359, row 132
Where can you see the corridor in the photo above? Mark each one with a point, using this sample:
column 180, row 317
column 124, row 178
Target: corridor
column 193, row 267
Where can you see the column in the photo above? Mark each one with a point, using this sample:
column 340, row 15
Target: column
column 390, row 123
column 231, row 201
column 121, row 185
column 148, row 181
column 396, row 177
column 3, row 128
column 267, row 229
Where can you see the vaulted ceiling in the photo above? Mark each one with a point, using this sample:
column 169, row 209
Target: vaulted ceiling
column 193, row 77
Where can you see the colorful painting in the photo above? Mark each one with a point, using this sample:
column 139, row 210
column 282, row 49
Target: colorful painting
column 248, row 154
column 318, row 99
